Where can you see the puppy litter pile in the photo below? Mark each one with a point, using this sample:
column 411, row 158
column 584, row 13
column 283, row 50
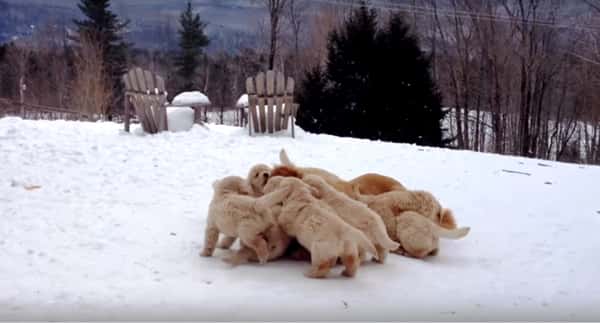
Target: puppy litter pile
column 114, row 225
column 332, row 219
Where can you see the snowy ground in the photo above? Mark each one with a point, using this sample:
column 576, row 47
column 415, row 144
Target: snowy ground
column 114, row 229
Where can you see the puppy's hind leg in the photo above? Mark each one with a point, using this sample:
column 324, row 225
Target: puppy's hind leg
column 256, row 242
column 381, row 254
column 350, row 259
column 239, row 257
column 321, row 261
column 211, row 237
column 226, row 242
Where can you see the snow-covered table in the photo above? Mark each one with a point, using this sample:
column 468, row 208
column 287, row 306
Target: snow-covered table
column 194, row 100
column 242, row 105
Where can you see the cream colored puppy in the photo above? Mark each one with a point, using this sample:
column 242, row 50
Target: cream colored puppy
column 356, row 214
column 257, row 178
column 318, row 229
column 410, row 231
column 421, row 202
column 242, row 216
column 420, row 237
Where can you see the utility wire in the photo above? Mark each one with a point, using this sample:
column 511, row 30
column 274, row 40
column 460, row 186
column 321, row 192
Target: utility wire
column 428, row 11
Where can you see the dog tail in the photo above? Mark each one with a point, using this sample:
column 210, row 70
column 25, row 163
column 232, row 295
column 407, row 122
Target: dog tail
column 285, row 160
column 450, row 234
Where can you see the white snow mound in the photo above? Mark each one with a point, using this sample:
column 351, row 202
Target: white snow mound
column 192, row 98
column 242, row 101
column 180, row 118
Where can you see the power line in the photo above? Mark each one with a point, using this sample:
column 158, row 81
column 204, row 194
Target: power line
column 428, row 11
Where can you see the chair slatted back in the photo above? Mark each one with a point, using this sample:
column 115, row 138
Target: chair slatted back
column 270, row 102
column 146, row 92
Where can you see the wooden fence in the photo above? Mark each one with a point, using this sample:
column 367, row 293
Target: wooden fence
column 10, row 107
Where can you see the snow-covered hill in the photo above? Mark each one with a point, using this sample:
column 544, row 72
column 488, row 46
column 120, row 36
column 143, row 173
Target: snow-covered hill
column 99, row 224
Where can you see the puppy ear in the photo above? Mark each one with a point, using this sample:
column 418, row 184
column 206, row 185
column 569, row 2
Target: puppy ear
column 447, row 219
column 315, row 192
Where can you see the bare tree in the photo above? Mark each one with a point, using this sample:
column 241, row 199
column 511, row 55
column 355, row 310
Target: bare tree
column 275, row 9
column 325, row 20
column 91, row 88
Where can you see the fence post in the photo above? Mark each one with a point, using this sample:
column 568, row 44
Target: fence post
column 127, row 107
column 22, row 88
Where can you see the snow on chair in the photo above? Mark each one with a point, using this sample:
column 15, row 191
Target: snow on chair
column 270, row 105
column 147, row 93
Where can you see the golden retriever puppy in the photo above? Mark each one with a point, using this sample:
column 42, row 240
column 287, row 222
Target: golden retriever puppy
column 318, row 229
column 419, row 237
column 356, row 214
column 258, row 177
column 398, row 210
column 421, row 202
column 374, row 184
column 237, row 215
column 369, row 184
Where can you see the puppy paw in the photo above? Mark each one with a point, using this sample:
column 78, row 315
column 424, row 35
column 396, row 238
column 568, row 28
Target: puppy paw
column 314, row 275
column 232, row 260
column 378, row 260
column 206, row 252
column 349, row 273
column 263, row 260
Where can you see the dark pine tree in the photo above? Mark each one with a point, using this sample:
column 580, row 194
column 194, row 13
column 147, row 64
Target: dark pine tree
column 3, row 48
column 191, row 42
column 101, row 24
column 377, row 85
column 408, row 101
column 313, row 93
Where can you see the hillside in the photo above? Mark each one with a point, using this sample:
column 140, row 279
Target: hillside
column 98, row 224
column 153, row 22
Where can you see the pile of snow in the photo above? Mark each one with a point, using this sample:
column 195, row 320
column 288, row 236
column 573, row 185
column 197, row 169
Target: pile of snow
column 180, row 118
column 242, row 101
column 190, row 99
column 98, row 224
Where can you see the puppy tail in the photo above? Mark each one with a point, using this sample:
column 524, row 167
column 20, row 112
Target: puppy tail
column 285, row 160
column 450, row 234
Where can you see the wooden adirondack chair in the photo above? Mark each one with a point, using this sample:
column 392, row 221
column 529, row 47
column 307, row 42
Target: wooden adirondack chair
column 270, row 104
column 146, row 92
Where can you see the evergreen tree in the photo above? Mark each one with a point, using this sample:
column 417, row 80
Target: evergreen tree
column 191, row 41
column 102, row 25
column 404, row 88
column 3, row 48
column 313, row 93
column 376, row 85
column 351, row 59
